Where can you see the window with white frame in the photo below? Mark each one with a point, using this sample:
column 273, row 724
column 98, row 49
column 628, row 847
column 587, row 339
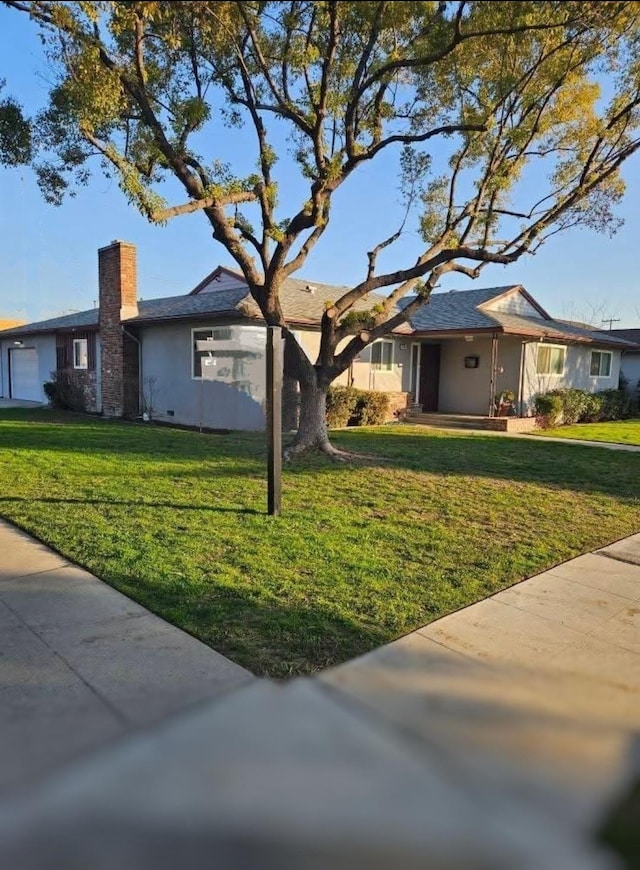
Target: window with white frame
column 221, row 333
column 80, row 353
column 550, row 360
column 601, row 363
column 382, row 355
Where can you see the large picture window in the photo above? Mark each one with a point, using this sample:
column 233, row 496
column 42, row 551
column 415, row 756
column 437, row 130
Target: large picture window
column 221, row 333
column 80, row 353
column 382, row 356
column 550, row 359
column 600, row 364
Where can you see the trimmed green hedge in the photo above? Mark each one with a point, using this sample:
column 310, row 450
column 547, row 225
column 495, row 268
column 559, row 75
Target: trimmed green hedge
column 569, row 406
column 347, row 406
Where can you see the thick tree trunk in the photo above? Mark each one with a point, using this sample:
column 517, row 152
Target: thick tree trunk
column 312, row 424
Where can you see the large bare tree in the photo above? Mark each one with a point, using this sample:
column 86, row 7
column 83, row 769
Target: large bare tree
column 468, row 96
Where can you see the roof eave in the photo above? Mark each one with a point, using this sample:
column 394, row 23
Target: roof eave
column 50, row 330
column 563, row 337
column 444, row 333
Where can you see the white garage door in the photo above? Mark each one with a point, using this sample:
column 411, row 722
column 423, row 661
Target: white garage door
column 25, row 380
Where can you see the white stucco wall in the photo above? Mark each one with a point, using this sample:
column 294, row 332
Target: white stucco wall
column 462, row 390
column 214, row 403
column 576, row 372
column 364, row 377
column 630, row 367
column 46, row 347
column 395, row 380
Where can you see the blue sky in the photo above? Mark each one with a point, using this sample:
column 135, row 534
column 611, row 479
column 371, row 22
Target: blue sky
column 49, row 259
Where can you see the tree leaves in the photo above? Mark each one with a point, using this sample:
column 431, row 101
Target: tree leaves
column 15, row 133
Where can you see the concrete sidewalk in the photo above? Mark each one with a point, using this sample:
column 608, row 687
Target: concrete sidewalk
column 537, row 687
column 81, row 664
column 497, row 737
column 607, row 445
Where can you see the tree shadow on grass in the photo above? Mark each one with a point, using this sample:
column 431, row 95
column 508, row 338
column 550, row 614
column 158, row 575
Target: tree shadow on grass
column 566, row 466
column 133, row 504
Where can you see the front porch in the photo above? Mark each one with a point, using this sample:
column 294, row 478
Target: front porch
column 470, row 421
column 474, row 376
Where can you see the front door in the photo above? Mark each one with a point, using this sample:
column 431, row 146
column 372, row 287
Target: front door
column 429, row 377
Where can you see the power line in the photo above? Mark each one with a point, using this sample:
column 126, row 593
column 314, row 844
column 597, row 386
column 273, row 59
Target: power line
column 611, row 321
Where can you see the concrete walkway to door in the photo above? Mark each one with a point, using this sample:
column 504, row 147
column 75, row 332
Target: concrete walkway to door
column 497, row 737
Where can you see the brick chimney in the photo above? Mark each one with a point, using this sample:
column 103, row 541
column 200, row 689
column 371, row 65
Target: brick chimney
column 118, row 292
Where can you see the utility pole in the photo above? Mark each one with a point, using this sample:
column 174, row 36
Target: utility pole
column 611, row 321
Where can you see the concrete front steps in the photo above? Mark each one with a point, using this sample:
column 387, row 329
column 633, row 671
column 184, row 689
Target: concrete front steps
column 469, row 421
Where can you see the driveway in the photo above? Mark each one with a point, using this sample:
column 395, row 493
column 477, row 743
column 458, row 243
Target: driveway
column 19, row 403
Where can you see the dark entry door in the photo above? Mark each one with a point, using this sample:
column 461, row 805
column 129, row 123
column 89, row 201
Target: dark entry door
column 429, row 376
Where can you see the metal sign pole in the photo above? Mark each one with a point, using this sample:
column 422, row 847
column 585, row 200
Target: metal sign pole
column 274, row 420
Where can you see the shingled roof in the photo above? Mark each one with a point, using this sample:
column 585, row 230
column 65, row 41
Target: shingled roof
column 458, row 309
column 304, row 302
column 632, row 335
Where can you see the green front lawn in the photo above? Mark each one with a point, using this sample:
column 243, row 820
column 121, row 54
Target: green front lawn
column 361, row 555
column 618, row 432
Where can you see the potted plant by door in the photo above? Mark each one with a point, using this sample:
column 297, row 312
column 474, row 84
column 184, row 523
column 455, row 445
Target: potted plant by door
column 504, row 403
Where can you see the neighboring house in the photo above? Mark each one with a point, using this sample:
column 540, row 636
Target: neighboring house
column 199, row 359
column 630, row 365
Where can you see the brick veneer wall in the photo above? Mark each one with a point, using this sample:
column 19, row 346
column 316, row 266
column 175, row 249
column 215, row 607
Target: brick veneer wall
column 398, row 404
column 117, row 278
column 87, row 380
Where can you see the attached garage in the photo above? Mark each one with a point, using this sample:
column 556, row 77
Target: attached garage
column 24, row 374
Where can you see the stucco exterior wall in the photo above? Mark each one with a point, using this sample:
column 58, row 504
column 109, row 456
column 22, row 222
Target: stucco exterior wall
column 46, row 347
column 214, row 403
column 462, row 390
column 630, row 367
column 395, row 380
column 509, row 358
column 364, row 377
column 576, row 373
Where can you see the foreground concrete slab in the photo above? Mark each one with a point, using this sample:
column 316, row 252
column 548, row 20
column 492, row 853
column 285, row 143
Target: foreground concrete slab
column 536, row 688
column 564, row 601
column 600, row 572
column 146, row 668
column 280, row 777
column 622, row 630
column 627, row 550
column 65, row 599
column 20, row 554
column 493, row 631
column 48, row 713
column 81, row 664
